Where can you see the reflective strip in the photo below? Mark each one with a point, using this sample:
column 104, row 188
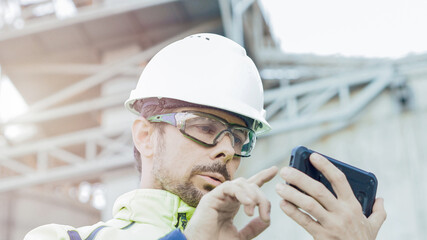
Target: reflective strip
column 93, row 234
column 74, row 235
column 182, row 218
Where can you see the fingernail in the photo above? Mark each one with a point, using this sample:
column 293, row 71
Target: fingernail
column 279, row 186
column 275, row 168
column 315, row 157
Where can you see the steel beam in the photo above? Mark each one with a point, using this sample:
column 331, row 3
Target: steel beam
column 345, row 113
column 110, row 71
column 227, row 20
column 69, row 172
column 60, row 69
column 90, row 14
column 353, row 78
column 15, row 165
column 72, row 109
column 66, row 156
column 238, row 8
column 319, row 100
column 116, row 153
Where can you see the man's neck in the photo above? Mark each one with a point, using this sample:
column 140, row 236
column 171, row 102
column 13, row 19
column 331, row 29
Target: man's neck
column 148, row 181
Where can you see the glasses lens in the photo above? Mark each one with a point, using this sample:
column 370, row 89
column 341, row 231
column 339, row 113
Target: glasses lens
column 203, row 128
column 208, row 130
column 244, row 141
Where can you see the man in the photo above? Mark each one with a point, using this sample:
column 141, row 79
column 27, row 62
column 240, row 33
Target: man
column 200, row 107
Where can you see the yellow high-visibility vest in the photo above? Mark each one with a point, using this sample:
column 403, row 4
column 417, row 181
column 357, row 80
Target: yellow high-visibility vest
column 139, row 214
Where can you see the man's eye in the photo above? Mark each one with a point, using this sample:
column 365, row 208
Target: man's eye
column 238, row 140
column 206, row 129
column 239, row 137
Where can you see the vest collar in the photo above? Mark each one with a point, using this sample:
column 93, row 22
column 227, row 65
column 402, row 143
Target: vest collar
column 153, row 206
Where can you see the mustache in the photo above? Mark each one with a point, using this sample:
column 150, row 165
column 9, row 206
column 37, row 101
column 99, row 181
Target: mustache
column 215, row 167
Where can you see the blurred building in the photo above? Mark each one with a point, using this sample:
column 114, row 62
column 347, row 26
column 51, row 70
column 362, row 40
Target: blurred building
column 67, row 66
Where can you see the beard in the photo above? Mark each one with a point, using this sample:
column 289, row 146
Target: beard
column 182, row 186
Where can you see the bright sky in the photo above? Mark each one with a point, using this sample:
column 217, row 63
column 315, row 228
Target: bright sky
column 11, row 102
column 12, row 105
column 380, row 28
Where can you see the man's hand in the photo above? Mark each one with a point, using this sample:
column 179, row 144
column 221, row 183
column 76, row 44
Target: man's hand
column 338, row 217
column 213, row 218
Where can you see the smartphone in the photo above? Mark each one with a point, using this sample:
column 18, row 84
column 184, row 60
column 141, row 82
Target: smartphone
column 364, row 184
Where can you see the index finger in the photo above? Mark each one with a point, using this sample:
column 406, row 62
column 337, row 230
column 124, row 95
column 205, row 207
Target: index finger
column 335, row 176
column 263, row 176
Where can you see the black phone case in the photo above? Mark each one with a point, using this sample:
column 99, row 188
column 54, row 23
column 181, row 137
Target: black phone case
column 364, row 184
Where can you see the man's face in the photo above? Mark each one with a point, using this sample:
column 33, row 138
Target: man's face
column 190, row 170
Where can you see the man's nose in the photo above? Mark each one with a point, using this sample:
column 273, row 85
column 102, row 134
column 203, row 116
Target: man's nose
column 223, row 135
column 224, row 147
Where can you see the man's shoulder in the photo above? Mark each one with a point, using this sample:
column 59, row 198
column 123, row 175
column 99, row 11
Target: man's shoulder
column 113, row 229
column 49, row 231
column 60, row 232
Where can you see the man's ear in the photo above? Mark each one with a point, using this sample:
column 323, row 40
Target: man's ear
column 142, row 131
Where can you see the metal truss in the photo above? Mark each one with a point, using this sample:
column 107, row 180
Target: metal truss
column 39, row 111
column 238, row 14
column 300, row 105
column 21, row 14
column 104, row 148
column 305, row 104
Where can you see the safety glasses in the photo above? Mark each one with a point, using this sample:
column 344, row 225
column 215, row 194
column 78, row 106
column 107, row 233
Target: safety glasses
column 208, row 130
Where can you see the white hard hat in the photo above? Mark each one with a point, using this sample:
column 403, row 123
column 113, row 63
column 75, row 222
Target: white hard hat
column 205, row 69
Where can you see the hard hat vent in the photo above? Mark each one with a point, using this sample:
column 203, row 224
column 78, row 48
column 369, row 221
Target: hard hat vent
column 199, row 36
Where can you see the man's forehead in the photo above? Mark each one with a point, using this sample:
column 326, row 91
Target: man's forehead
column 220, row 113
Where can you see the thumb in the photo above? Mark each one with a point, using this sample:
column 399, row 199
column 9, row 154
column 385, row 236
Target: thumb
column 253, row 228
column 378, row 215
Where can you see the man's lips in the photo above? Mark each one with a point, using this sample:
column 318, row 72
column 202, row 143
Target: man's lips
column 213, row 178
